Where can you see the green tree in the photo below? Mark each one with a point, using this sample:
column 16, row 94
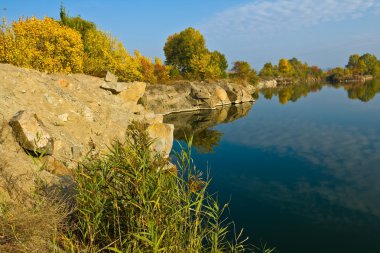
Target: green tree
column 181, row 47
column 371, row 64
column 367, row 64
column 353, row 62
column 242, row 70
column 299, row 69
column 186, row 51
column 77, row 23
column 220, row 60
column 268, row 70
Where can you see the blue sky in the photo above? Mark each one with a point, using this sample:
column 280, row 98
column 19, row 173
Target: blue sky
column 323, row 32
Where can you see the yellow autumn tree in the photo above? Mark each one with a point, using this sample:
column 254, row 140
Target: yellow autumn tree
column 285, row 68
column 6, row 43
column 161, row 71
column 152, row 72
column 42, row 44
column 103, row 52
column 202, row 67
column 146, row 68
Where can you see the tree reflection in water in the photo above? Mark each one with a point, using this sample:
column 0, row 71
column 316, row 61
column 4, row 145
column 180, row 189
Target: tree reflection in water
column 199, row 125
column 364, row 92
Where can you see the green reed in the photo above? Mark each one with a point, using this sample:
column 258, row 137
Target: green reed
column 131, row 201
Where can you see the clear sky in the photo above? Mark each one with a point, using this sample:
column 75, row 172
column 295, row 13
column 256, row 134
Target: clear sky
column 321, row 32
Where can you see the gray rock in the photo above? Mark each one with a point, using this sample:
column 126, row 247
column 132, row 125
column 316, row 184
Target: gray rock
column 30, row 132
column 110, row 77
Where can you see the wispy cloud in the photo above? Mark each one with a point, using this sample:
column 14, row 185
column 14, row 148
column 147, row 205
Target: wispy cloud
column 280, row 15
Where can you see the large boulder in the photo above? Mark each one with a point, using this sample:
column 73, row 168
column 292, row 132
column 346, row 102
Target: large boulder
column 133, row 92
column 200, row 92
column 222, row 95
column 30, row 132
column 246, row 95
column 162, row 135
column 234, row 94
column 237, row 93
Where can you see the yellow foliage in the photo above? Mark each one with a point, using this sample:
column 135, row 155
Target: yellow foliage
column 161, row 71
column 103, row 52
column 202, row 67
column 44, row 45
column 146, row 68
column 285, row 67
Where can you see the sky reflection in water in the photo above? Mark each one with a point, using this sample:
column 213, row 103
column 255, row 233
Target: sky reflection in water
column 304, row 175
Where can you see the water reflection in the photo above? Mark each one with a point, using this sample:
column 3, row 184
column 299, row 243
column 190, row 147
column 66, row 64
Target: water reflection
column 305, row 176
column 364, row 92
column 361, row 91
column 199, row 123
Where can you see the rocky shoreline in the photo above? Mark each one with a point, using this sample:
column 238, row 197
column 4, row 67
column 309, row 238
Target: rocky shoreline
column 64, row 118
column 183, row 96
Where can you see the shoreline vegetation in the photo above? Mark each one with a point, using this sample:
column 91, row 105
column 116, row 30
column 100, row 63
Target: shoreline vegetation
column 132, row 199
column 128, row 200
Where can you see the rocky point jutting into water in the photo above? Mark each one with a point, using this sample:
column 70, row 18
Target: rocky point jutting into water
column 190, row 96
column 63, row 118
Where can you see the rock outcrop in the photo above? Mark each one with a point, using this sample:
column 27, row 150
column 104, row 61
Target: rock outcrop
column 76, row 112
column 188, row 96
column 31, row 134
column 83, row 114
column 265, row 84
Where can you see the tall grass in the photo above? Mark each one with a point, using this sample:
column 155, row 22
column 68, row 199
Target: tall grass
column 131, row 201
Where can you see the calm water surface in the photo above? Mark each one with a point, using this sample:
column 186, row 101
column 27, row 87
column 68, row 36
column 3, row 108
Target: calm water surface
column 300, row 167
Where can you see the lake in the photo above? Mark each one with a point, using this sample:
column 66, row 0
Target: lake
column 300, row 167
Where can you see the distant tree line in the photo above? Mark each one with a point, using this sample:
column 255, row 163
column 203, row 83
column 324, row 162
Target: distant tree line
column 292, row 68
column 357, row 66
column 73, row 44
